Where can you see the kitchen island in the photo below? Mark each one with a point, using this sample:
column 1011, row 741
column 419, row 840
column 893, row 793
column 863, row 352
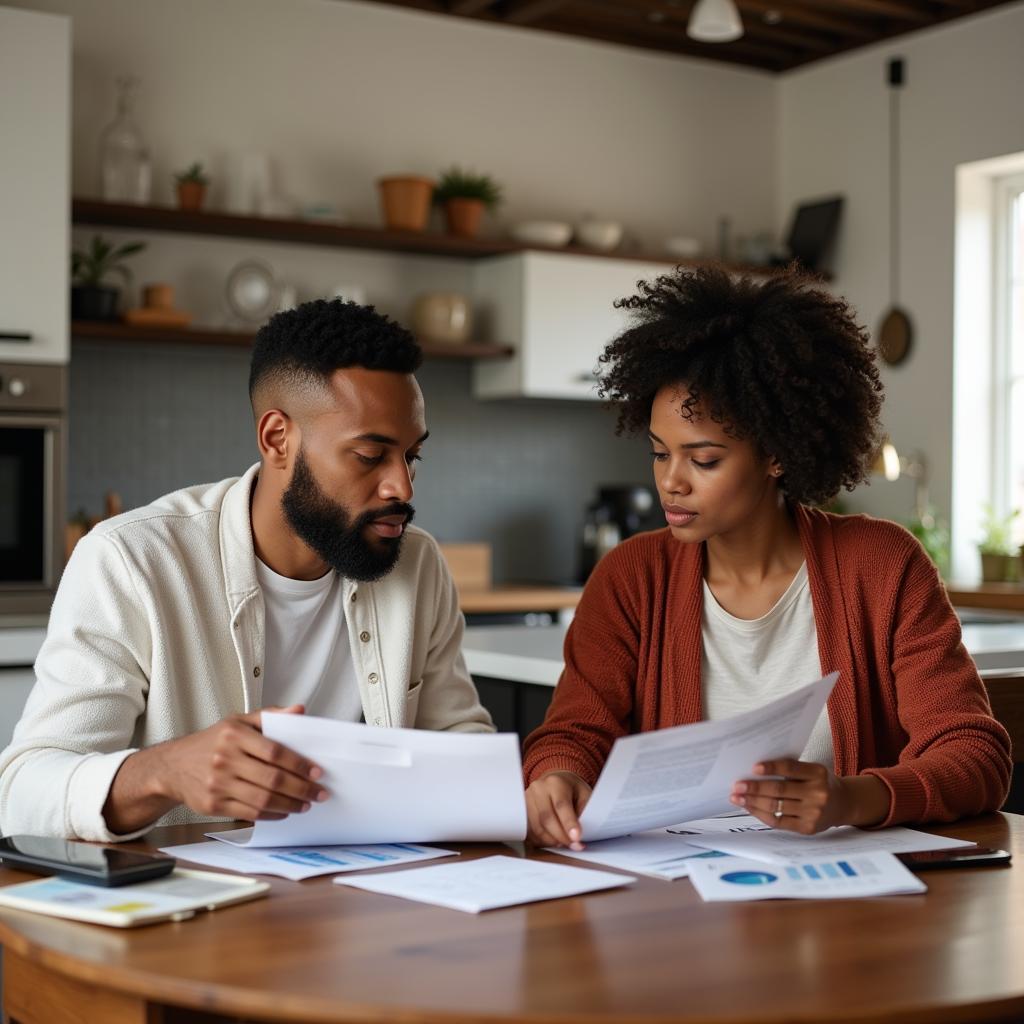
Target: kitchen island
column 516, row 668
column 533, row 655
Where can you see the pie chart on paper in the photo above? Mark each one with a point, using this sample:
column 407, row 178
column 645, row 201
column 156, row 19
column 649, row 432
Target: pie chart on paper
column 749, row 877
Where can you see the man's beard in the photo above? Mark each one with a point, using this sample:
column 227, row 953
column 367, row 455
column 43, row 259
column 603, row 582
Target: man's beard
column 334, row 535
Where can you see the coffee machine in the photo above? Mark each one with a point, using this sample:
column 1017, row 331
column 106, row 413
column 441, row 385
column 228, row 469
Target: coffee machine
column 617, row 513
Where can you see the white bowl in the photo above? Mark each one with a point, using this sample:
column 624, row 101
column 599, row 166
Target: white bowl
column 599, row 234
column 542, row 232
column 683, row 247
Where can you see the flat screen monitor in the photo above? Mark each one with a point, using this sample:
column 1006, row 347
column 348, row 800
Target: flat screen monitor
column 813, row 231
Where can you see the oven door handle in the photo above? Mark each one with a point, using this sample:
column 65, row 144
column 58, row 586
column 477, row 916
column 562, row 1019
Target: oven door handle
column 15, row 336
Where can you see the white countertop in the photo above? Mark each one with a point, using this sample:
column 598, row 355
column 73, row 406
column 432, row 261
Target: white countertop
column 19, row 645
column 533, row 654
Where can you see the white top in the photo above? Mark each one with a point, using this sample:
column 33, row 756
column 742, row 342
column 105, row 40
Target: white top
column 308, row 655
column 745, row 663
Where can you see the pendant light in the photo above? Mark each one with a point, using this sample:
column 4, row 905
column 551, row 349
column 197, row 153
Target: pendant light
column 714, row 21
column 897, row 330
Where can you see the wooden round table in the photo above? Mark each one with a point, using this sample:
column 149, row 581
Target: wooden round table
column 651, row 952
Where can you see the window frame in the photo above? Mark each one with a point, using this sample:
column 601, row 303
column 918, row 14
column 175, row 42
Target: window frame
column 1008, row 271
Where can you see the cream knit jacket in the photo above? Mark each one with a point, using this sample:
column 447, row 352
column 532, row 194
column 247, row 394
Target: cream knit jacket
column 157, row 631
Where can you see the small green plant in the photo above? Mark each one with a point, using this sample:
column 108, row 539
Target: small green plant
column 90, row 267
column 997, row 532
column 933, row 533
column 458, row 184
column 192, row 173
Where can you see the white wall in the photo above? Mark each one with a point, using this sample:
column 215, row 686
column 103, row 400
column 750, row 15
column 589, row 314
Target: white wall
column 961, row 102
column 339, row 93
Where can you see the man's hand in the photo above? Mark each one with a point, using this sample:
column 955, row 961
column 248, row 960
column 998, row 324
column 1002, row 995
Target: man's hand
column 554, row 803
column 809, row 798
column 228, row 770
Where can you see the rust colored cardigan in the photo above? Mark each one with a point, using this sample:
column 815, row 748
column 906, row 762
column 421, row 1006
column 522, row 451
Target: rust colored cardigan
column 909, row 706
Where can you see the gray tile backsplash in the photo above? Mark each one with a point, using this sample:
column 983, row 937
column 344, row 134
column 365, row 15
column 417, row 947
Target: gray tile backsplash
column 146, row 419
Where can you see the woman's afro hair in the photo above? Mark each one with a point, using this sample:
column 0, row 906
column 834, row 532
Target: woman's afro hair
column 777, row 361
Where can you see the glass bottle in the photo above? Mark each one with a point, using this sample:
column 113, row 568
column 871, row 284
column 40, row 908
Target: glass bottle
column 125, row 170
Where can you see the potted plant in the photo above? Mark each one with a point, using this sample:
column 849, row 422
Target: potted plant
column 191, row 184
column 406, row 201
column 996, row 547
column 91, row 299
column 933, row 533
column 464, row 197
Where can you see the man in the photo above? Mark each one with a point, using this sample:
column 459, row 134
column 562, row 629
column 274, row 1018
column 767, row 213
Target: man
column 299, row 586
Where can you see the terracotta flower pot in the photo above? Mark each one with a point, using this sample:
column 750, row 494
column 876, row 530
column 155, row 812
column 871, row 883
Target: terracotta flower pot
column 464, row 216
column 406, row 202
column 191, row 195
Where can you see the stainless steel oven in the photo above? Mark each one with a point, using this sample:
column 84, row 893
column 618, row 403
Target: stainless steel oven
column 33, row 457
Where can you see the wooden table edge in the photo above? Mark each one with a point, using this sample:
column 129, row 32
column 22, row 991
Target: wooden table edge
column 232, row 1002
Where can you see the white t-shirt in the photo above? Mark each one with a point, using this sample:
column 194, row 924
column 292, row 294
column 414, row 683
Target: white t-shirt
column 745, row 663
column 308, row 656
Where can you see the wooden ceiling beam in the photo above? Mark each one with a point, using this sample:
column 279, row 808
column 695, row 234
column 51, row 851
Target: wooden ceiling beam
column 794, row 15
column 530, row 11
column 660, row 13
column 467, row 8
column 762, row 32
column 808, row 30
column 764, row 61
column 670, row 31
column 876, row 9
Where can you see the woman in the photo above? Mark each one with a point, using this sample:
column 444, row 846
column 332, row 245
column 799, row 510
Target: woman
column 761, row 402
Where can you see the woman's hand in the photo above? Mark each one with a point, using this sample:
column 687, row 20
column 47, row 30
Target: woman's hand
column 809, row 798
column 554, row 803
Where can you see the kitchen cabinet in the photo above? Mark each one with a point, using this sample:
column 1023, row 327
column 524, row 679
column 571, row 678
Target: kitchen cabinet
column 557, row 312
column 35, row 97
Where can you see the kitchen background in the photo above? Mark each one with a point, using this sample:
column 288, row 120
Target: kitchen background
column 338, row 93
column 330, row 95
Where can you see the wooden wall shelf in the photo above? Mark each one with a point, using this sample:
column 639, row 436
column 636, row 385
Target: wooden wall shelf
column 103, row 330
column 99, row 213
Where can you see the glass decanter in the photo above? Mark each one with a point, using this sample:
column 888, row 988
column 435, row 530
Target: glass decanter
column 125, row 170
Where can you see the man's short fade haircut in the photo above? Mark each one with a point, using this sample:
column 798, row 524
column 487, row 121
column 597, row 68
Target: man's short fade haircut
column 305, row 345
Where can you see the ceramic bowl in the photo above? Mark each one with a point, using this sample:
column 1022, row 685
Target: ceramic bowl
column 442, row 317
column 683, row 247
column 599, row 234
column 542, row 232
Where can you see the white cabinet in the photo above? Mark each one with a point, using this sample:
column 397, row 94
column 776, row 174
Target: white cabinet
column 556, row 309
column 35, row 98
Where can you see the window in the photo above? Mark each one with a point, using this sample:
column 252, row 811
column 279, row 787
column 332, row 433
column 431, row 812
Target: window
column 1008, row 350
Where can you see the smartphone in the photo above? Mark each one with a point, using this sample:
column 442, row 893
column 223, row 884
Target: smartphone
column 963, row 857
column 82, row 862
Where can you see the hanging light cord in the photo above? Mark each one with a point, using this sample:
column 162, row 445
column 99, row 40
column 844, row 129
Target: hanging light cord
column 894, row 198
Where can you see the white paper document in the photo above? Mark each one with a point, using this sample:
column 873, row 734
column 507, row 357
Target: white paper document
column 487, row 883
column 655, row 778
column 398, row 785
column 735, row 821
column 816, row 878
column 776, row 846
column 298, row 862
column 657, row 853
